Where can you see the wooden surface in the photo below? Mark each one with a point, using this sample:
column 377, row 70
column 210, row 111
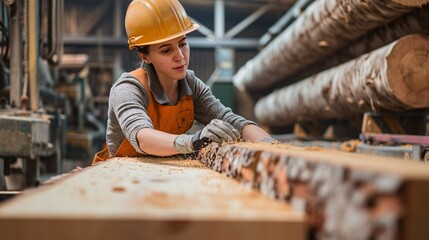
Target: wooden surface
column 345, row 195
column 127, row 198
column 402, row 168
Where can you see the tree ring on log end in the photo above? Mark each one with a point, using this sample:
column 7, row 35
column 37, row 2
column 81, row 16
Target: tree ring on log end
column 408, row 74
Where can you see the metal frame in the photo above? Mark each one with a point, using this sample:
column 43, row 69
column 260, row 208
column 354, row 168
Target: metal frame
column 216, row 38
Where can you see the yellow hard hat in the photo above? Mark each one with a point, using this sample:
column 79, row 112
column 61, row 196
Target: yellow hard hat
column 153, row 21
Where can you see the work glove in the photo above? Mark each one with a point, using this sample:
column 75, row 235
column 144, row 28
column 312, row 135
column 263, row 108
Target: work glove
column 216, row 131
column 270, row 140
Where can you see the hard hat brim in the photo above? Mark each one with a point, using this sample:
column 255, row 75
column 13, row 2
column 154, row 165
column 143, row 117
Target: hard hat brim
column 192, row 28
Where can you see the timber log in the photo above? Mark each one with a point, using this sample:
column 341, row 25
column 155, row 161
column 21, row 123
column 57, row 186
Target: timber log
column 345, row 195
column 416, row 22
column 394, row 78
column 325, row 26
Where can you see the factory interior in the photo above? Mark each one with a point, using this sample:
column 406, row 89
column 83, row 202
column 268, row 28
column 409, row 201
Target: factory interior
column 341, row 85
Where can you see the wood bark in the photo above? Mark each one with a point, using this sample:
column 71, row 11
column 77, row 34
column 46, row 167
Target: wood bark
column 325, row 26
column 345, row 196
column 416, row 22
column 147, row 198
column 393, row 78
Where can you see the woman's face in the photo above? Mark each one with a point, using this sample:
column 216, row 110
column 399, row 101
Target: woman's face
column 170, row 58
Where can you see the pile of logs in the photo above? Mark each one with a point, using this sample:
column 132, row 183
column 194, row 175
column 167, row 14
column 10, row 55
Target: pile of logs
column 394, row 77
column 328, row 34
column 345, row 196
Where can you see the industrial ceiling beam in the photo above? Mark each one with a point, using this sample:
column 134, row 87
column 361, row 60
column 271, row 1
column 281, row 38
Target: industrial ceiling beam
column 219, row 10
column 195, row 42
column 248, row 21
column 203, row 29
column 285, row 21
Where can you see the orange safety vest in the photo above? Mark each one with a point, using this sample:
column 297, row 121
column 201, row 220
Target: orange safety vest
column 175, row 119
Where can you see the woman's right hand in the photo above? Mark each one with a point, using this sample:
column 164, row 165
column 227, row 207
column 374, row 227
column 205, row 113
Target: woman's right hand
column 219, row 131
column 216, row 131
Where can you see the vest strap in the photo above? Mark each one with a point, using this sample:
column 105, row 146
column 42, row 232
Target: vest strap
column 172, row 119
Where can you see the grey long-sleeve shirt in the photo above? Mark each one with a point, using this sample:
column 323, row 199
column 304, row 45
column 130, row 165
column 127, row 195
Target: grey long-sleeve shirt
column 128, row 102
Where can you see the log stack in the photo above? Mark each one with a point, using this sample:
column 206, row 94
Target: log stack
column 415, row 22
column 394, row 77
column 345, row 196
column 338, row 36
column 325, row 27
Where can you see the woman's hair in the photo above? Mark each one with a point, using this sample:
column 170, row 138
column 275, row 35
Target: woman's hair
column 143, row 49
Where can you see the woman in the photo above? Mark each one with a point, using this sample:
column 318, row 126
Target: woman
column 152, row 107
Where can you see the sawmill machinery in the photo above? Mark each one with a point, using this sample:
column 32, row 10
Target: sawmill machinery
column 25, row 125
column 44, row 96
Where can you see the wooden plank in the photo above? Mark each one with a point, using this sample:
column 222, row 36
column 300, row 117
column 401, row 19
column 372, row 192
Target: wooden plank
column 126, row 198
column 411, row 123
column 345, row 195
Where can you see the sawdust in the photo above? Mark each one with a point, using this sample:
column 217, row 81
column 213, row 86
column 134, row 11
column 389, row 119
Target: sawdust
column 282, row 147
column 176, row 161
column 159, row 180
column 159, row 199
column 118, row 189
column 207, row 155
column 350, row 146
column 135, row 181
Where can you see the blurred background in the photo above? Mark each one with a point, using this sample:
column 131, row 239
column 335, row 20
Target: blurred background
column 59, row 59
